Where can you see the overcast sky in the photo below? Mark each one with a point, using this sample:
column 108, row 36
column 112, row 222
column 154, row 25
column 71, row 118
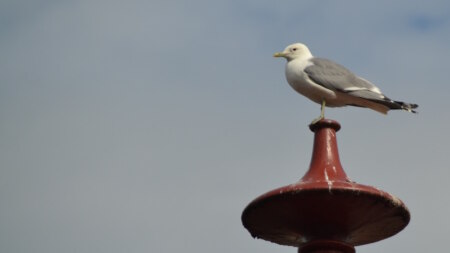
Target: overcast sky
column 148, row 126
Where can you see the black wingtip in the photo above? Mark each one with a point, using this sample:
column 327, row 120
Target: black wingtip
column 408, row 107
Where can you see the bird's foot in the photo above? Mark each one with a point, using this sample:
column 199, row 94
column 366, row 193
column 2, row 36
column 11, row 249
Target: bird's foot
column 322, row 113
column 321, row 117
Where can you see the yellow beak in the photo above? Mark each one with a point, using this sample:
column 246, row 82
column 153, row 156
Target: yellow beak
column 279, row 54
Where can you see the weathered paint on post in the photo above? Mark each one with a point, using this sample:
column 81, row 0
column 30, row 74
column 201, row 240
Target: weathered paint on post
column 325, row 211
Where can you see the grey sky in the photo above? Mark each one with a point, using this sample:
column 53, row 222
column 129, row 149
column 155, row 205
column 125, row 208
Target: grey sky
column 148, row 126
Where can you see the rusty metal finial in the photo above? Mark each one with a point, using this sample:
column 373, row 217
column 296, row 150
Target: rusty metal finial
column 325, row 211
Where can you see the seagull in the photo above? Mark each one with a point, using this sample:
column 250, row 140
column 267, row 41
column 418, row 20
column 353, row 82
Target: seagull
column 330, row 84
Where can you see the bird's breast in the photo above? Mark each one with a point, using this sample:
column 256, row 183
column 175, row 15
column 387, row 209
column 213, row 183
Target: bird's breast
column 295, row 75
column 300, row 82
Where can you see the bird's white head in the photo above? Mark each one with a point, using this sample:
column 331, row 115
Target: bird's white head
column 294, row 51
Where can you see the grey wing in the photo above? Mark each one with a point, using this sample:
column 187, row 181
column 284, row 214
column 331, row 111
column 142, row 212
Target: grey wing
column 337, row 78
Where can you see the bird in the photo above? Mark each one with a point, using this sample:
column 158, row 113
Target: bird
column 332, row 85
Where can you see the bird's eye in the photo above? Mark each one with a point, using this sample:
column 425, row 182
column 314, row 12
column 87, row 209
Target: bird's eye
column 294, row 49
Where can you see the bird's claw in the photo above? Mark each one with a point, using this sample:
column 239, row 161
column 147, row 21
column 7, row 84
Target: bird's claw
column 322, row 113
column 317, row 120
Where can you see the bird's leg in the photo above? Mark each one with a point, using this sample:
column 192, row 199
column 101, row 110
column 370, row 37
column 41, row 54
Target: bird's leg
column 322, row 109
column 322, row 113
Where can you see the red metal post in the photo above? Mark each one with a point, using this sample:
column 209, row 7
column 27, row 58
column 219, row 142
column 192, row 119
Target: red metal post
column 325, row 211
